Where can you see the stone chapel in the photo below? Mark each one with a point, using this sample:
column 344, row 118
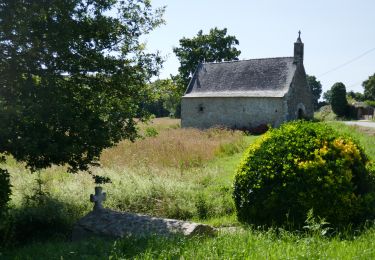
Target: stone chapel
column 248, row 93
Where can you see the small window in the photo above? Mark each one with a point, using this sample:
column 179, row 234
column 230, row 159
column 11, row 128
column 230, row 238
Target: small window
column 200, row 108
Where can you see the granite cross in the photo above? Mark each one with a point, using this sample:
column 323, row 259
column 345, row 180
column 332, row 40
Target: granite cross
column 98, row 198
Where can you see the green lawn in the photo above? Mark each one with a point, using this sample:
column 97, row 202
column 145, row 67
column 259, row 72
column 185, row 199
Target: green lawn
column 246, row 244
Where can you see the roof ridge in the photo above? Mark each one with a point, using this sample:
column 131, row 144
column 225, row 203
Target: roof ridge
column 230, row 61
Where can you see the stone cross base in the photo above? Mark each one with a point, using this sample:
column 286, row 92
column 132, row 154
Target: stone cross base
column 113, row 224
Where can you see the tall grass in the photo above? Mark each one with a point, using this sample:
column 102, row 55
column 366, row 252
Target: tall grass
column 177, row 148
column 165, row 192
column 179, row 173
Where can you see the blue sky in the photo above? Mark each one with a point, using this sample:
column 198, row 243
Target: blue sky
column 333, row 31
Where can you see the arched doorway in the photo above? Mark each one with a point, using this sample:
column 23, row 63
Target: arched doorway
column 300, row 114
column 301, row 111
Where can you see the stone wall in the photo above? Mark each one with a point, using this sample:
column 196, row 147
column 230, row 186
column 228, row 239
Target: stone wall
column 299, row 97
column 232, row 112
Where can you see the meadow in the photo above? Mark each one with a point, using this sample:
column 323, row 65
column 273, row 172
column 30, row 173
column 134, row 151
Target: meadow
column 169, row 172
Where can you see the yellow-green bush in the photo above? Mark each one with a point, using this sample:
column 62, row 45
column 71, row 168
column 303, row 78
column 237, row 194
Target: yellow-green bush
column 304, row 165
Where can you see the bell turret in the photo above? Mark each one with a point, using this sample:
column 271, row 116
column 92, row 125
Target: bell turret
column 298, row 49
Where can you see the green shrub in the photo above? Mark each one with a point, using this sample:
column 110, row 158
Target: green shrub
column 202, row 206
column 338, row 99
column 4, row 190
column 303, row 166
column 4, row 198
column 151, row 132
column 40, row 217
column 325, row 113
column 50, row 220
column 370, row 102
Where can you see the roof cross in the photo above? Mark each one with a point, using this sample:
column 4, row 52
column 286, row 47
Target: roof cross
column 98, row 198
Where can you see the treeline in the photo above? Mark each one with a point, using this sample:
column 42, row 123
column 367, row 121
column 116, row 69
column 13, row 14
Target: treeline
column 344, row 103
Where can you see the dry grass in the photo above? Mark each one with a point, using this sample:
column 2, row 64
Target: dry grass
column 171, row 147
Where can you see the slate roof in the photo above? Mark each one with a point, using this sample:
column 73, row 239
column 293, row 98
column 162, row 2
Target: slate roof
column 270, row 77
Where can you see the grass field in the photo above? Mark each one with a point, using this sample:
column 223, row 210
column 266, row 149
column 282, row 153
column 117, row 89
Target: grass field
column 174, row 173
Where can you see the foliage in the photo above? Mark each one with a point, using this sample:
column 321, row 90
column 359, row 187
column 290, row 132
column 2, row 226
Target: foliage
column 151, row 132
column 322, row 104
column 364, row 135
column 370, row 103
column 338, row 99
column 316, row 89
column 202, row 207
column 214, row 46
column 300, row 166
column 72, row 77
column 327, row 96
column 41, row 222
column 316, row 227
column 4, row 199
column 165, row 98
column 325, row 113
column 369, row 87
column 356, row 96
column 4, row 190
column 38, row 217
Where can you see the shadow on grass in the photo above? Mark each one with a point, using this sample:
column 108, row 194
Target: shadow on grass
column 238, row 245
column 39, row 219
column 129, row 247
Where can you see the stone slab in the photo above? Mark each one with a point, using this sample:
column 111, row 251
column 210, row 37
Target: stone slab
column 113, row 224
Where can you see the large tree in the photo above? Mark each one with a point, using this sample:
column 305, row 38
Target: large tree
column 369, row 86
column 339, row 102
column 214, row 46
column 73, row 77
column 316, row 89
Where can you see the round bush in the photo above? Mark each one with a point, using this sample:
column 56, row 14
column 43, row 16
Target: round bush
column 304, row 165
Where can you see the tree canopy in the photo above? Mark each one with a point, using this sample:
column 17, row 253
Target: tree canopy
column 164, row 99
column 73, row 77
column 316, row 89
column 214, row 46
column 338, row 99
column 327, row 96
column 356, row 96
column 369, row 87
